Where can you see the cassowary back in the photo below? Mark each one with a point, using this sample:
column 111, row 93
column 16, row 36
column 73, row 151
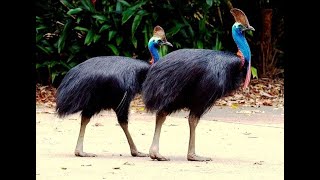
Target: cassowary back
column 99, row 83
column 191, row 78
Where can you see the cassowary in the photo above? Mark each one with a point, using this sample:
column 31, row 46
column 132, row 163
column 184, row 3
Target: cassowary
column 105, row 83
column 195, row 79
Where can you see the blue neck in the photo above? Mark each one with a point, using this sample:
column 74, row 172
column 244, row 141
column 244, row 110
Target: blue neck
column 242, row 44
column 153, row 50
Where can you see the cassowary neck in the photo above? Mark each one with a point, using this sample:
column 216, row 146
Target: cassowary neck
column 241, row 42
column 154, row 52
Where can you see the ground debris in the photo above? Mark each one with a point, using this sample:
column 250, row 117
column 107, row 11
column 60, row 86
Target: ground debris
column 262, row 91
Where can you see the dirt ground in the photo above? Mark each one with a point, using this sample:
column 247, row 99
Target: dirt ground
column 252, row 149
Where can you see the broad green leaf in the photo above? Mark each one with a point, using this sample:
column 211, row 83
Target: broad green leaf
column 174, row 30
column 81, row 28
column 67, row 4
column 254, row 72
column 38, row 38
column 88, row 5
column 134, row 41
column 70, row 58
column 74, row 11
column 191, row 31
column 142, row 12
column 100, row 17
column 118, row 7
column 135, row 24
column 119, row 40
column 39, row 66
column 44, row 49
column 138, row 5
column 78, row 20
column 218, row 45
column 209, row 2
column 163, row 51
column 114, row 49
column 250, row 33
column 65, row 65
column 89, row 37
column 124, row 3
column 104, row 27
column 126, row 15
column 96, row 37
column 127, row 54
column 199, row 44
column 202, row 25
column 63, row 36
column 53, row 76
column 146, row 34
column 72, row 64
column 40, row 27
column 39, row 19
column 74, row 49
column 111, row 35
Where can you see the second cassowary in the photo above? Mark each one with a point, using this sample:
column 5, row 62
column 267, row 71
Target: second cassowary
column 105, row 82
column 195, row 79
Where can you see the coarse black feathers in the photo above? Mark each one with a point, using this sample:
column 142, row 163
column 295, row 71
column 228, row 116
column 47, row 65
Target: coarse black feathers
column 191, row 78
column 108, row 82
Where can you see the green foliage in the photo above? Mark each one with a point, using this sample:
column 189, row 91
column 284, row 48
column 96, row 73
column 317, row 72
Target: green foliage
column 68, row 32
column 254, row 72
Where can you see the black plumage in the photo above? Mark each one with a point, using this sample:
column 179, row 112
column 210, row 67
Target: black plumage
column 195, row 79
column 105, row 83
column 191, row 78
column 109, row 82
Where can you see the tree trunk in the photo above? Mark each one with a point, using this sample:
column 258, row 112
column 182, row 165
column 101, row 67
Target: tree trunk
column 266, row 45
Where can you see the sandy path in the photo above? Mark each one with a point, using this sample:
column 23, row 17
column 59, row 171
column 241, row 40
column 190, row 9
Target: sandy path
column 239, row 151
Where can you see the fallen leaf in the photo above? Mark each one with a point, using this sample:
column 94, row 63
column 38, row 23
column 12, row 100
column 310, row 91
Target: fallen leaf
column 86, row 165
column 258, row 163
column 98, row 124
column 244, row 112
column 128, row 163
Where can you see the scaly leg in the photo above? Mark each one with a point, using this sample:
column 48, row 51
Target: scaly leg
column 79, row 147
column 154, row 149
column 133, row 148
column 193, row 122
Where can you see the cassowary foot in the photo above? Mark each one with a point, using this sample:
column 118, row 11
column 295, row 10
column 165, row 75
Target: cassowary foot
column 139, row 154
column 158, row 157
column 84, row 154
column 193, row 157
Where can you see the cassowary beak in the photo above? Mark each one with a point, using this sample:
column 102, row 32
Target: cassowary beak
column 167, row 43
column 250, row 28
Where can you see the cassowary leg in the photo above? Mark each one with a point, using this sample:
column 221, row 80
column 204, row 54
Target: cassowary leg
column 154, row 149
column 133, row 148
column 193, row 122
column 122, row 115
column 79, row 147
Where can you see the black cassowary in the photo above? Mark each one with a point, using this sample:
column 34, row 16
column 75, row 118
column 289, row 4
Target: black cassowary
column 106, row 82
column 195, row 79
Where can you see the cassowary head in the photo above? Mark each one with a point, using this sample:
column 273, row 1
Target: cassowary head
column 158, row 39
column 241, row 19
column 239, row 27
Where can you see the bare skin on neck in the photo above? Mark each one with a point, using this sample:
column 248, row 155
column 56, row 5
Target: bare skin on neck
column 193, row 122
column 79, row 148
